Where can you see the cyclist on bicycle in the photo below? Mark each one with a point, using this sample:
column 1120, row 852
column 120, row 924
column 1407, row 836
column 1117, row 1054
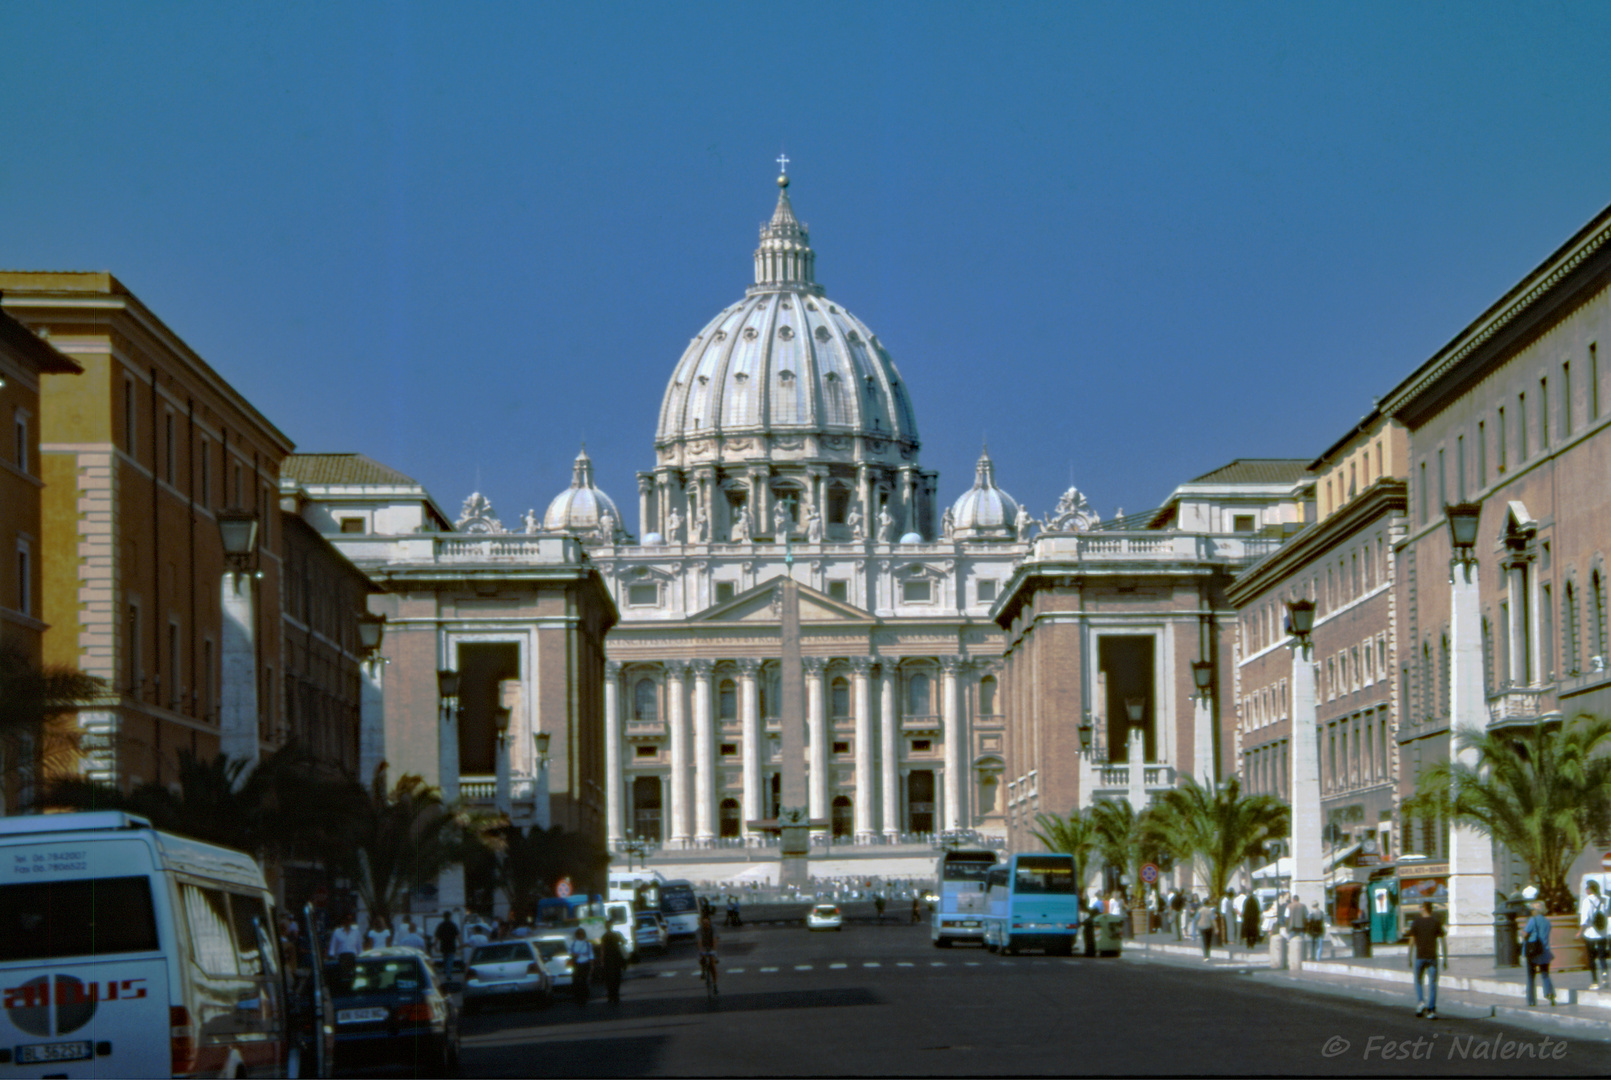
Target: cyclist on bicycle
column 707, row 949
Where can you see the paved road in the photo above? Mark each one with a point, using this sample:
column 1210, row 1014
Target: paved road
column 879, row 999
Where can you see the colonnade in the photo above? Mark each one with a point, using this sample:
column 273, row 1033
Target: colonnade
column 692, row 784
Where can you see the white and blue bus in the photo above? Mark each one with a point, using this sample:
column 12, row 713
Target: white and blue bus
column 1033, row 903
column 959, row 913
column 680, row 908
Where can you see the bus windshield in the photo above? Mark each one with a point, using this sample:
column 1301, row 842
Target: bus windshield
column 677, row 897
column 966, row 865
column 1044, row 875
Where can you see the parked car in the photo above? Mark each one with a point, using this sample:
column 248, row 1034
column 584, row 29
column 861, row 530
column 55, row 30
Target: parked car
column 391, row 1011
column 506, row 969
column 555, row 950
column 824, row 917
column 650, row 931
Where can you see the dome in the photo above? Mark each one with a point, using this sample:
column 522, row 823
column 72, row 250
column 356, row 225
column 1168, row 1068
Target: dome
column 583, row 508
column 785, row 369
column 984, row 512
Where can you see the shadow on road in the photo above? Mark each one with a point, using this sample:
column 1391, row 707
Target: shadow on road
column 600, row 1011
column 619, row 1055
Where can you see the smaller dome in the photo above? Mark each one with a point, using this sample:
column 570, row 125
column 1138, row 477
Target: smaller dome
column 653, row 540
column 984, row 512
column 912, row 538
column 582, row 508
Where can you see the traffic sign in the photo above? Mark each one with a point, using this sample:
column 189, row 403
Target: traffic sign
column 1149, row 874
column 1605, row 861
column 563, row 889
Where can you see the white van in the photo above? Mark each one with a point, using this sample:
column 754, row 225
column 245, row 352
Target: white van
column 129, row 952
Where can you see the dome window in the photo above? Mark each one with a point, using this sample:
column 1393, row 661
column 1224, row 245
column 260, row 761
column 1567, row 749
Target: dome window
column 854, row 337
column 832, row 310
column 785, row 305
column 750, row 333
column 786, row 376
column 823, row 335
column 704, row 379
column 741, row 376
column 720, row 335
column 786, row 333
column 810, row 306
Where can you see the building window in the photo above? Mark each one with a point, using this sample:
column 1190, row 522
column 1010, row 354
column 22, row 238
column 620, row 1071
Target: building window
column 1420, row 497
column 724, row 591
column 645, row 701
column 1597, row 627
column 1500, row 446
column 987, row 696
column 727, row 700
column 647, row 751
column 643, row 595
column 1569, row 630
column 917, row 695
column 20, row 428
column 1482, row 455
column 132, row 676
column 729, row 749
column 209, row 686
column 25, row 578
column 1594, row 381
column 170, row 451
column 916, row 592
column 841, row 746
column 1460, row 468
column 1521, row 427
column 352, row 524
column 175, row 695
column 206, row 455
column 986, row 591
column 839, row 698
column 1242, row 523
column 1443, row 482
column 922, row 746
column 130, row 429
column 838, row 504
column 1566, row 397
column 839, row 590
column 1543, row 414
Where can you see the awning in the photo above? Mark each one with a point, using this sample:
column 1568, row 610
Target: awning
column 1281, row 868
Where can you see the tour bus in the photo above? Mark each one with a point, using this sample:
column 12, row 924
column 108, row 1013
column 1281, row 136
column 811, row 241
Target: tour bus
column 1034, row 903
column 640, row 888
column 959, row 912
column 125, row 951
column 680, row 908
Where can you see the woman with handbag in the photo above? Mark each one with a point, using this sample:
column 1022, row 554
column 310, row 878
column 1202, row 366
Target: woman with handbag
column 1536, row 951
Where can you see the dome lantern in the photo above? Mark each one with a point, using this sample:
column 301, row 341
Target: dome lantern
column 584, row 509
column 985, row 512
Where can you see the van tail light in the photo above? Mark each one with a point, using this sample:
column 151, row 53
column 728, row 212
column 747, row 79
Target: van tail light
column 415, row 1012
column 181, row 1041
column 534, row 968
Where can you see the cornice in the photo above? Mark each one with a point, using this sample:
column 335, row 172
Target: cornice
column 1384, row 497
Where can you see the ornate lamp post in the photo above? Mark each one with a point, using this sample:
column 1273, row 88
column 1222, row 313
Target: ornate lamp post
column 1308, row 870
column 371, row 700
column 502, row 795
column 544, row 811
column 1135, row 709
column 239, row 735
column 1471, row 863
column 1203, row 757
column 447, row 690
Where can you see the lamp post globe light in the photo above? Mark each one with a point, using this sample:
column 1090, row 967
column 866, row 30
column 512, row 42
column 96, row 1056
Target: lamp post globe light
column 1308, row 870
column 239, row 736
column 1471, row 864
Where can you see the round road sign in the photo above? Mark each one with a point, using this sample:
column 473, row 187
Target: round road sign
column 563, row 889
column 1605, row 861
column 1149, row 874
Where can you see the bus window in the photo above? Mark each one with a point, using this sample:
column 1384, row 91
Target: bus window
column 1038, row 876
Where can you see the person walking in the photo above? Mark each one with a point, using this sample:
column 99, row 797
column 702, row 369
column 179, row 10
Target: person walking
column 1591, row 927
column 1207, row 917
column 1177, row 910
column 447, row 940
column 1251, row 916
column 878, row 905
column 409, row 937
column 1229, row 932
column 612, row 954
column 1426, row 937
column 1297, row 916
column 581, row 965
column 1535, row 947
column 917, row 908
column 1092, row 909
column 346, row 939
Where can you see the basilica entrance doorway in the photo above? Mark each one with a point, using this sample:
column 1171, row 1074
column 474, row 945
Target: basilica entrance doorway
column 646, row 814
column 920, row 801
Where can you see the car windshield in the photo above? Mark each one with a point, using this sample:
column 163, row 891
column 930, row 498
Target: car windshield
column 502, row 953
column 648, row 920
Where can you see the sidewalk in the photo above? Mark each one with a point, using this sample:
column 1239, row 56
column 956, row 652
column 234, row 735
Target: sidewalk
column 1473, row 985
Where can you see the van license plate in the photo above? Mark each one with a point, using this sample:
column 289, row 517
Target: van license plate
column 68, row 1051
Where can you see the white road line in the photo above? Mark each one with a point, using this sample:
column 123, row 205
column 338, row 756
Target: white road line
column 769, row 969
column 902, row 963
column 936, row 963
column 802, row 967
column 871, row 963
column 735, row 971
column 668, row 974
column 838, row 965
column 970, row 963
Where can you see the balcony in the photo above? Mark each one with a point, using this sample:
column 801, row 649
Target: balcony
column 645, row 729
column 1516, row 706
column 1152, row 547
column 989, row 720
column 484, row 789
column 1113, row 781
column 921, row 725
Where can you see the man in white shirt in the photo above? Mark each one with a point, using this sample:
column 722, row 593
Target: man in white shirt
column 410, row 938
column 1592, row 913
column 346, row 939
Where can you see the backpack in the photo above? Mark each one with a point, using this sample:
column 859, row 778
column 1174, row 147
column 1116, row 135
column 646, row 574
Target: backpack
column 1598, row 918
column 1315, row 927
column 1533, row 945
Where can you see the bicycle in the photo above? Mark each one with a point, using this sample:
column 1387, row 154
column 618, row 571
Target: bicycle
column 707, row 972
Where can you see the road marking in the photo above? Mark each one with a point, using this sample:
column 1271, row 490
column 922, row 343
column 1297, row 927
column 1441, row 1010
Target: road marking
column 838, row 965
column 871, row 963
column 902, row 963
column 668, row 974
column 970, row 963
column 735, row 971
column 769, row 969
column 936, row 963
column 802, row 967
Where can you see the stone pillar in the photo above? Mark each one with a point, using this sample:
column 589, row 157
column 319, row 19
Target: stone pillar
column 704, row 757
column 612, row 754
column 908, row 496
column 1520, row 647
column 676, row 670
column 955, row 751
column 1308, row 871
column 889, row 758
column 1136, row 769
column 864, row 485
column 749, row 718
column 861, row 690
column 237, row 692
column 1202, row 740
column 1471, row 860
column 817, row 736
column 371, row 720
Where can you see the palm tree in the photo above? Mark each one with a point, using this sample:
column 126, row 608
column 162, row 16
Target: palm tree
column 1074, row 835
column 1219, row 825
column 1124, row 837
column 531, row 860
column 1544, row 795
column 30, row 697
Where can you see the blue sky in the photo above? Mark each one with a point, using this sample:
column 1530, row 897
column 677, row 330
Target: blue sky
column 1126, row 242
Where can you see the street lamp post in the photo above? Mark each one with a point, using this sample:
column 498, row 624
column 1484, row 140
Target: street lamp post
column 1471, row 862
column 1136, row 750
column 239, row 735
column 1202, row 677
column 543, row 809
column 447, row 691
column 371, row 701
column 1308, row 869
column 502, row 795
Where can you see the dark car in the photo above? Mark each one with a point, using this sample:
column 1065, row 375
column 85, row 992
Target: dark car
column 391, row 1013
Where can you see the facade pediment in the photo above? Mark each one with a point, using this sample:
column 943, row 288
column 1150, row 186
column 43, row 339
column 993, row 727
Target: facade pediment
column 760, row 605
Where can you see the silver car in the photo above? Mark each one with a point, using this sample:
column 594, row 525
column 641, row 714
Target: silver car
column 506, row 969
column 555, row 950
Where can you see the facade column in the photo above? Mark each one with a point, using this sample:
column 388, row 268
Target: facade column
column 864, row 485
column 612, row 754
column 1202, row 739
column 1520, row 648
column 951, row 718
column 372, row 720
column 861, row 689
column 1308, row 872
column 646, row 522
column 1471, row 858
column 704, row 759
column 817, row 737
column 237, row 691
column 676, row 670
column 749, row 718
column 889, row 759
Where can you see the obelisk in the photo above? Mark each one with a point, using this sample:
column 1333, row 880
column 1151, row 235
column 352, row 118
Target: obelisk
column 794, row 815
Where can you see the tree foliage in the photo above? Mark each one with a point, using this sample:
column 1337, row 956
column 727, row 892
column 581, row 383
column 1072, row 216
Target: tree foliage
column 1125, row 837
column 30, row 698
column 1074, row 835
column 1219, row 825
column 1544, row 795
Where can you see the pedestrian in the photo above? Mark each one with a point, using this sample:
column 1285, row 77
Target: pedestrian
column 1535, row 947
column 1250, row 920
column 1297, row 915
column 346, row 939
column 447, row 940
column 1177, row 908
column 1092, row 910
column 878, row 905
column 581, row 965
column 410, row 938
column 1316, row 929
column 380, row 934
column 1426, row 937
column 612, row 954
column 917, row 908
column 1204, row 924
column 1229, row 931
column 1591, row 920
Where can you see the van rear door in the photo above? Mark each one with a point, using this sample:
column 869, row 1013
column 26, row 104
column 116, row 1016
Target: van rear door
column 83, row 975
